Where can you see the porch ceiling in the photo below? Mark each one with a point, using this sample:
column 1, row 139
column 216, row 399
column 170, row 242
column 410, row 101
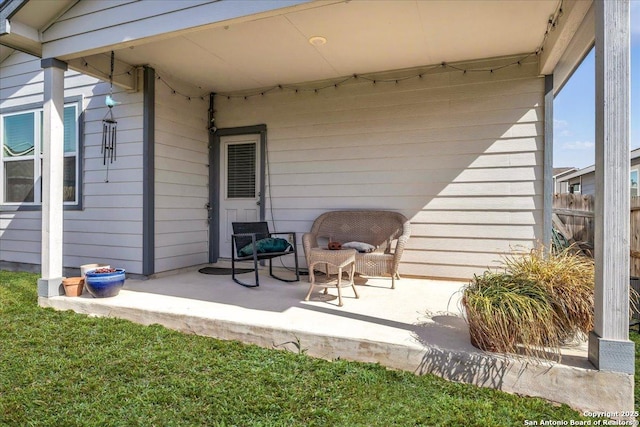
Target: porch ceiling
column 362, row 37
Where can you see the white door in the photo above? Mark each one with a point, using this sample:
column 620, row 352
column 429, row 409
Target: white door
column 239, row 185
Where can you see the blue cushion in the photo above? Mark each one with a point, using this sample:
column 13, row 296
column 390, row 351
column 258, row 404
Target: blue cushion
column 268, row 245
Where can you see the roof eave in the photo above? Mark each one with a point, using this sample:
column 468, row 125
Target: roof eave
column 16, row 35
column 8, row 9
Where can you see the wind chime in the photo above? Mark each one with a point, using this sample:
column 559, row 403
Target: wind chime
column 109, row 126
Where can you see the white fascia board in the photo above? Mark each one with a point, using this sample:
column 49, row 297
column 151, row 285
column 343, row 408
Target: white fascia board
column 157, row 27
column 17, row 28
column 559, row 38
column 583, row 171
column 15, row 34
column 7, row 11
column 578, row 48
column 23, row 38
column 562, row 174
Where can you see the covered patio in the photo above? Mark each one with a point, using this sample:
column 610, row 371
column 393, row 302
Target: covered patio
column 417, row 327
column 441, row 112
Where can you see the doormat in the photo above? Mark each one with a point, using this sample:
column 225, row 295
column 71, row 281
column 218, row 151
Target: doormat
column 220, row 271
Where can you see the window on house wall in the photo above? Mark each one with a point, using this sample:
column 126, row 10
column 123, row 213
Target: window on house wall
column 21, row 138
column 634, row 182
column 574, row 188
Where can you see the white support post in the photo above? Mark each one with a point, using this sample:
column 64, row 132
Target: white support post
column 609, row 345
column 52, row 178
column 547, row 221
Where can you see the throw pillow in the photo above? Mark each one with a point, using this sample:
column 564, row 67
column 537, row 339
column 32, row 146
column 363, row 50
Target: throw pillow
column 268, row 245
column 359, row 246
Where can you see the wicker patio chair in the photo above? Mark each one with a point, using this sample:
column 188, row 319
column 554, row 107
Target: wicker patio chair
column 252, row 233
column 387, row 231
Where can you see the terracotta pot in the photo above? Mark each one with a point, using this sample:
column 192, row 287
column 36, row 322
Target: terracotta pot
column 73, row 286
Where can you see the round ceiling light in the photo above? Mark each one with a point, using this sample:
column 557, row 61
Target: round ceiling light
column 317, row 40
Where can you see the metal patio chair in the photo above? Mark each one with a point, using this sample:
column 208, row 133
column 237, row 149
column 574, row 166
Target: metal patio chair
column 253, row 233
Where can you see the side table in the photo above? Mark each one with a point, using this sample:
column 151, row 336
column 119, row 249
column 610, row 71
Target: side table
column 340, row 259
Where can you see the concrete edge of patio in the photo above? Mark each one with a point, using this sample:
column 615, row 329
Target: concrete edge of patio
column 582, row 388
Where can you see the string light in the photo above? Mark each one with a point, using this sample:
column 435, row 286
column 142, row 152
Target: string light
column 376, row 80
column 86, row 64
column 173, row 90
column 369, row 78
column 334, row 85
column 552, row 23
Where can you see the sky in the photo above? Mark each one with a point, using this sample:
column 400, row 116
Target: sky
column 574, row 107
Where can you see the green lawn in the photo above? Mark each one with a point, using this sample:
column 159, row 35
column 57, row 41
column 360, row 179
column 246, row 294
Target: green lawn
column 635, row 337
column 66, row 369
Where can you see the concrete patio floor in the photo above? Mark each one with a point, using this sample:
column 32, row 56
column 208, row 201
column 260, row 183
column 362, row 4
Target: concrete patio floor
column 416, row 327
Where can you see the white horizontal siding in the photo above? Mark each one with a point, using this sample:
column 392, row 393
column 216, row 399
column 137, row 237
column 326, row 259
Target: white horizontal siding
column 109, row 228
column 181, row 180
column 459, row 154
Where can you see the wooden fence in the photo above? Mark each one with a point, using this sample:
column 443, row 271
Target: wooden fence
column 575, row 212
column 573, row 216
column 634, row 236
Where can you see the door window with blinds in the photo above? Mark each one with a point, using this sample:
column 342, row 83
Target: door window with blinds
column 21, row 139
column 241, row 171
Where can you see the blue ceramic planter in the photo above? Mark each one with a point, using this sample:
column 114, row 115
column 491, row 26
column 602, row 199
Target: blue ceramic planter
column 103, row 285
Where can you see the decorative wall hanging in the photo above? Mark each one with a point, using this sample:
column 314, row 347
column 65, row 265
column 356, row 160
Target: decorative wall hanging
column 109, row 126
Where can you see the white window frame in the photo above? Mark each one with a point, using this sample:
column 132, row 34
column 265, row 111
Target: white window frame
column 575, row 188
column 637, row 188
column 33, row 157
column 37, row 110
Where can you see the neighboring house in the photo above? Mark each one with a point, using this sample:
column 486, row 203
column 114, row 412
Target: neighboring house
column 583, row 181
column 282, row 110
column 558, row 173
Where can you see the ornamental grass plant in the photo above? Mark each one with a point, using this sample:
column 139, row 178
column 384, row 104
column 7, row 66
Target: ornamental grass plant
column 534, row 303
column 568, row 279
column 505, row 311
